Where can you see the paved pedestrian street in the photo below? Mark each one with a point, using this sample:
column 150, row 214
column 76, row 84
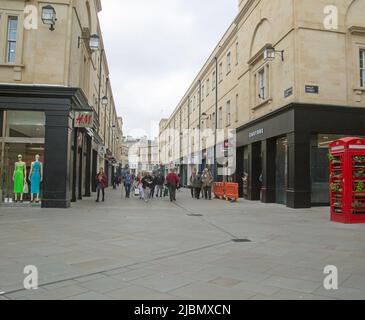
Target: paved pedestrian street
column 127, row 249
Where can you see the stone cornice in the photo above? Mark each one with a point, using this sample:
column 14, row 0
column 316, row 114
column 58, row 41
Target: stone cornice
column 78, row 98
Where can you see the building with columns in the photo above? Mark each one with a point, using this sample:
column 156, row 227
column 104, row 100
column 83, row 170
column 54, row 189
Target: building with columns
column 56, row 98
column 289, row 77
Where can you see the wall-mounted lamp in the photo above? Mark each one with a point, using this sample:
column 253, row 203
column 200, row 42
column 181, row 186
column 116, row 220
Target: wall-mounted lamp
column 204, row 116
column 49, row 16
column 94, row 42
column 270, row 54
column 104, row 101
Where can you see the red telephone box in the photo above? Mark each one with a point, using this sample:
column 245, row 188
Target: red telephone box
column 347, row 180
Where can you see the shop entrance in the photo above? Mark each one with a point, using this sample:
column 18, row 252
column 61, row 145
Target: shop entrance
column 281, row 170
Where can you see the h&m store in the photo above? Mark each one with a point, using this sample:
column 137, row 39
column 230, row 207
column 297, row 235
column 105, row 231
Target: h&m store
column 39, row 121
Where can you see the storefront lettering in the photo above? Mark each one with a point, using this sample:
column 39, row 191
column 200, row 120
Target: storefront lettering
column 84, row 120
column 255, row 133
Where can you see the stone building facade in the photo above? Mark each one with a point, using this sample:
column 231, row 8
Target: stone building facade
column 52, row 84
column 288, row 76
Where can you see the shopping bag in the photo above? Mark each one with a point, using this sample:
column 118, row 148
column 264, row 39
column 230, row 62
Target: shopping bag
column 136, row 192
column 166, row 192
column 25, row 188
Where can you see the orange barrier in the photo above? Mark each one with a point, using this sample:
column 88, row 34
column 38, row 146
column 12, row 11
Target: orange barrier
column 218, row 189
column 231, row 191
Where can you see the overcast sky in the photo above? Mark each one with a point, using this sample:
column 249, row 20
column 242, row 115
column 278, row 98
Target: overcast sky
column 155, row 48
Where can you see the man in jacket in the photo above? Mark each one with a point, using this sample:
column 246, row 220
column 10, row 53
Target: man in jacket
column 172, row 181
column 207, row 181
column 128, row 179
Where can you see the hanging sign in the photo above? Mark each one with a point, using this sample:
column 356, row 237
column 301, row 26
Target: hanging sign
column 102, row 151
column 84, row 119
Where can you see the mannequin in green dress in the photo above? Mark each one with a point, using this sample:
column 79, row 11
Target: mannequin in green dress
column 19, row 178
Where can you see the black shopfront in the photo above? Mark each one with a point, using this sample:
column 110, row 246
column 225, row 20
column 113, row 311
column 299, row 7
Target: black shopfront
column 285, row 153
column 40, row 120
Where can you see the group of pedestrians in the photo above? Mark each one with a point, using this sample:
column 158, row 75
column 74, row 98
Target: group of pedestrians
column 201, row 184
column 147, row 185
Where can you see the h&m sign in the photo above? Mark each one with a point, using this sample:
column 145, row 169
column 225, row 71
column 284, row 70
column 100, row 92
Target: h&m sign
column 84, row 119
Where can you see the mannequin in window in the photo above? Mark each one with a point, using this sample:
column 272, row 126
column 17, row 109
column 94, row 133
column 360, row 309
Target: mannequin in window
column 36, row 177
column 19, row 178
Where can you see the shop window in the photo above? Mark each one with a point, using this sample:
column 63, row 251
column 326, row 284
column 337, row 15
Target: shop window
column 25, row 124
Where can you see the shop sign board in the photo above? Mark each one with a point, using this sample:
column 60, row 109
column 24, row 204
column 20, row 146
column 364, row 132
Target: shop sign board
column 258, row 132
column 84, row 119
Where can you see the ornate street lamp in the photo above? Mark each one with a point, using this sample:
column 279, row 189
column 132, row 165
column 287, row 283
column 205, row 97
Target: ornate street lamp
column 49, row 16
column 270, row 54
column 94, row 42
column 104, row 101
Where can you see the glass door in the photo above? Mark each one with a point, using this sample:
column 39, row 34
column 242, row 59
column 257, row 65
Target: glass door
column 281, row 170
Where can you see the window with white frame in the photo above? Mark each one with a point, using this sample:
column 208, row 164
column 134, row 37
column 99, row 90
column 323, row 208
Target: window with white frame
column 262, row 84
column 213, row 120
column 228, row 113
column 229, row 66
column 208, row 87
column 362, row 68
column 203, row 90
column 194, row 103
column 11, row 39
column 220, row 72
column 214, row 81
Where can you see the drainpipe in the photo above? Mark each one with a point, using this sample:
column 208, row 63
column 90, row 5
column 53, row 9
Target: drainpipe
column 216, row 120
column 200, row 117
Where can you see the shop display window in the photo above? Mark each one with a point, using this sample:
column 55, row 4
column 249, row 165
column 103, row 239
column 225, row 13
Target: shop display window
column 25, row 124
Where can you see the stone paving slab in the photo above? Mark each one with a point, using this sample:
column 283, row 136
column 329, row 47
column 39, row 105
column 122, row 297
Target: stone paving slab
column 126, row 249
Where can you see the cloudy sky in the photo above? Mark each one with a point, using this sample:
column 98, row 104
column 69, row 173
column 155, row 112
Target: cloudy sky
column 155, row 48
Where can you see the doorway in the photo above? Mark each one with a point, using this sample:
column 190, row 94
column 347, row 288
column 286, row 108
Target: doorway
column 281, row 163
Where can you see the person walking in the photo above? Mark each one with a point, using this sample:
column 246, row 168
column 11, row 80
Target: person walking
column 198, row 186
column 101, row 184
column 245, row 184
column 172, row 181
column 128, row 179
column 193, row 183
column 159, row 185
column 207, row 182
column 147, row 185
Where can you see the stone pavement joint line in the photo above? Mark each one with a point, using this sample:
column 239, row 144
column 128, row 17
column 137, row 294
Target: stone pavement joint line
column 208, row 222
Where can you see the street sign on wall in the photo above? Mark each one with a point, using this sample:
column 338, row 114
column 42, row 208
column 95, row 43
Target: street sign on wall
column 84, row 119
